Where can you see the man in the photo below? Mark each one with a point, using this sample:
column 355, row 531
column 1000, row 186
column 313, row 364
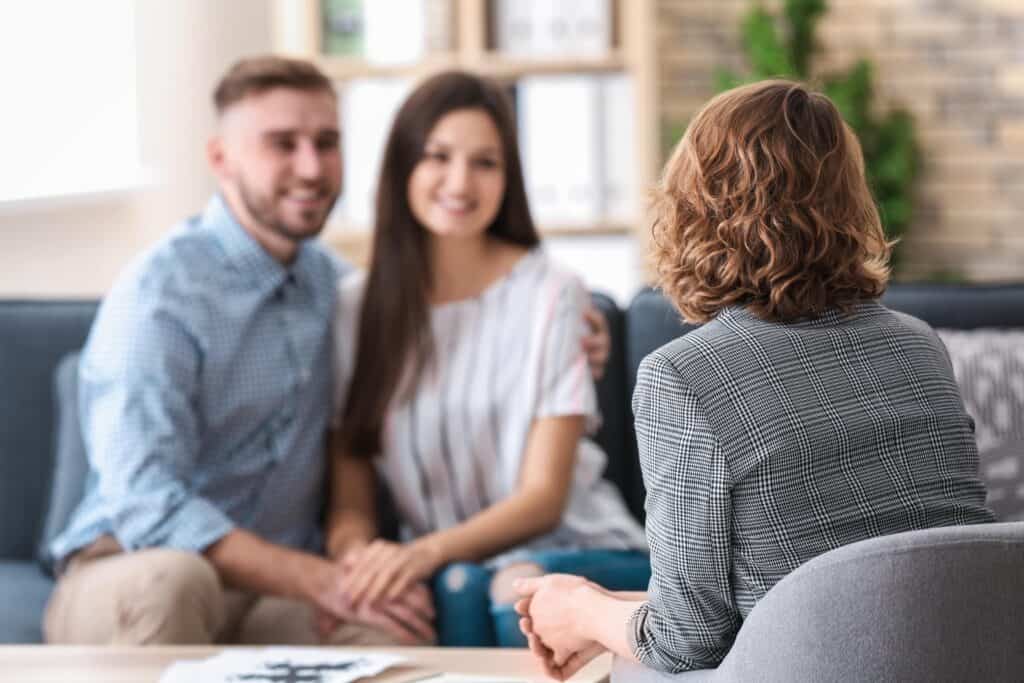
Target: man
column 205, row 395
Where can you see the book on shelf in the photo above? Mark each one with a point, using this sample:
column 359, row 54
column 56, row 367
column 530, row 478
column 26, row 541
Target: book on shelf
column 545, row 29
column 576, row 137
column 343, row 28
column 620, row 189
column 386, row 31
column 368, row 107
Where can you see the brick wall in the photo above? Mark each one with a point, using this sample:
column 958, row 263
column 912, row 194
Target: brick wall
column 957, row 65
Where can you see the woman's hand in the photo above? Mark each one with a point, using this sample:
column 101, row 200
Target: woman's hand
column 546, row 658
column 408, row 618
column 598, row 343
column 549, row 609
column 382, row 570
column 549, row 663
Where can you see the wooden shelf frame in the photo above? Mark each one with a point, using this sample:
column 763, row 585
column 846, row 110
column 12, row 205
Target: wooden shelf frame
column 297, row 31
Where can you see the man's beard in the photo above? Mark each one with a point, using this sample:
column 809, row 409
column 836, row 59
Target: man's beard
column 262, row 211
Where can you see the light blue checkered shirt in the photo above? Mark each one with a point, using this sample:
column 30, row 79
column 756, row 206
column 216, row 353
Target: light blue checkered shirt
column 204, row 393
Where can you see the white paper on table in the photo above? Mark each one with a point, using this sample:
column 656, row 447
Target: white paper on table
column 280, row 663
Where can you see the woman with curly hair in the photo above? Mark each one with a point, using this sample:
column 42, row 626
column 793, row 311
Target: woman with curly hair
column 802, row 416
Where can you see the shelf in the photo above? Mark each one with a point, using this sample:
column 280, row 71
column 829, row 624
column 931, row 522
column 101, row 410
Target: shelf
column 509, row 67
column 347, row 68
column 491, row 64
column 601, row 229
column 297, row 27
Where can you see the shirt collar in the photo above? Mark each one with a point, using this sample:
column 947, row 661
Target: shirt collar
column 828, row 318
column 250, row 259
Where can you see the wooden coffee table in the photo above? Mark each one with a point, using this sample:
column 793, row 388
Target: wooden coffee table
column 115, row 664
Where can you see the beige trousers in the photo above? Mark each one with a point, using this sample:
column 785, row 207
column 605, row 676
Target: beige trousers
column 162, row 596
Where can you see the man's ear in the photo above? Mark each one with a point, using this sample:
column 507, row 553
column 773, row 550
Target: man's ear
column 216, row 156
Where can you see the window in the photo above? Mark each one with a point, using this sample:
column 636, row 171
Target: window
column 68, row 123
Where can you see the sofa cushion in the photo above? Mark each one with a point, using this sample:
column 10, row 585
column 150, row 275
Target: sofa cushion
column 958, row 306
column 36, row 335
column 615, row 436
column 24, row 590
column 989, row 367
column 70, row 463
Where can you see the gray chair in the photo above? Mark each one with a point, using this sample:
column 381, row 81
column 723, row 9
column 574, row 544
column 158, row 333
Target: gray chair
column 942, row 604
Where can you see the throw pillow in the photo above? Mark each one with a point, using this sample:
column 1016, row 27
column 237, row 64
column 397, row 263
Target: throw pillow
column 989, row 367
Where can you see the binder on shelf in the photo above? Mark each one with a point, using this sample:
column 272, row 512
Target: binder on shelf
column 513, row 26
column 439, row 26
column 545, row 29
column 577, row 140
column 620, row 194
column 368, row 107
column 394, row 31
column 560, row 142
column 589, row 27
column 404, row 31
column 343, row 28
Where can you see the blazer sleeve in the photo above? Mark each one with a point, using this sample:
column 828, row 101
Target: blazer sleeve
column 691, row 618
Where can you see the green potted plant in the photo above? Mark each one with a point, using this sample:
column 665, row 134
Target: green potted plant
column 784, row 46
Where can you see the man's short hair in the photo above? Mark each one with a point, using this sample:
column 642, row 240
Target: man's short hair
column 255, row 75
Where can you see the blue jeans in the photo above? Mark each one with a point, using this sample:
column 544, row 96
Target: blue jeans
column 466, row 617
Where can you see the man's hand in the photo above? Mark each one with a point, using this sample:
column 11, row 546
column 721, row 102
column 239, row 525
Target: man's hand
column 598, row 344
column 408, row 617
column 384, row 570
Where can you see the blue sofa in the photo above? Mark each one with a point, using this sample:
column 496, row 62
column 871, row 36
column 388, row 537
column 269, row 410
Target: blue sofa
column 36, row 335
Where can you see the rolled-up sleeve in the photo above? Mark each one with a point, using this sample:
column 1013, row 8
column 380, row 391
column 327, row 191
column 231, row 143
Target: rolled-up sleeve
column 691, row 618
column 138, row 389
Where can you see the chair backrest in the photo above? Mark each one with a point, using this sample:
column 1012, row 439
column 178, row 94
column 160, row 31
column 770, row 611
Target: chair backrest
column 35, row 336
column 933, row 605
column 937, row 604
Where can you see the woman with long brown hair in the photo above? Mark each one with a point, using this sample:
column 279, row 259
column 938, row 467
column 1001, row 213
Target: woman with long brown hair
column 468, row 393
column 802, row 416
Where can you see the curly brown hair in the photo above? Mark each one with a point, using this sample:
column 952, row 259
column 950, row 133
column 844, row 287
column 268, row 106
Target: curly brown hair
column 764, row 203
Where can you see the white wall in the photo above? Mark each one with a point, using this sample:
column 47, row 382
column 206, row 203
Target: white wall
column 75, row 248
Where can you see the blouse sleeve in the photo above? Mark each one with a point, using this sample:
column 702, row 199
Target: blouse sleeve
column 690, row 619
column 566, row 386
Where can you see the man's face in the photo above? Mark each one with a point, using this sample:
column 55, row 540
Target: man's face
column 278, row 161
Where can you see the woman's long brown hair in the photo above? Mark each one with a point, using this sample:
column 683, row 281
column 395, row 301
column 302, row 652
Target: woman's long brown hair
column 394, row 329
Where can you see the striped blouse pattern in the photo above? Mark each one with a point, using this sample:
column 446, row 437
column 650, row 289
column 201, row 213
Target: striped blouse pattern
column 503, row 359
column 765, row 444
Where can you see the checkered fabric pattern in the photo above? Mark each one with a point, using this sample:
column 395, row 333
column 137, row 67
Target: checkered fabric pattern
column 766, row 444
column 204, row 394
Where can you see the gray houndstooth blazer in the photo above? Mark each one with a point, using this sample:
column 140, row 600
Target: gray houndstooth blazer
column 765, row 444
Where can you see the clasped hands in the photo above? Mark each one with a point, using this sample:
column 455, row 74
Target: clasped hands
column 382, row 584
column 549, row 617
